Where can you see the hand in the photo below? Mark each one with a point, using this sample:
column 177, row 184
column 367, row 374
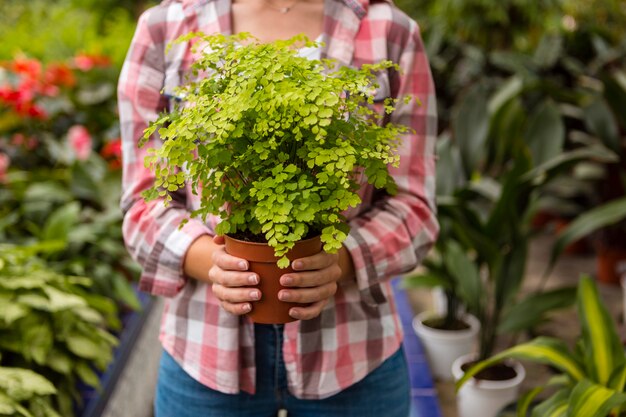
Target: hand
column 230, row 280
column 313, row 282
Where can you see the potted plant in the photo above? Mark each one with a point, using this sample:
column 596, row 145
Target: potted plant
column 276, row 145
column 447, row 336
column 487, row 208
column 590, row 380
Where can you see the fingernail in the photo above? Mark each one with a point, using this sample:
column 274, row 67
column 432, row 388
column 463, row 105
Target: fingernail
column 293, row 313
column 286, row 280
column 254, row 295
column 246, row 308
column 252, row 279
column 284, row 295
column 297, row 265
column 243, row 265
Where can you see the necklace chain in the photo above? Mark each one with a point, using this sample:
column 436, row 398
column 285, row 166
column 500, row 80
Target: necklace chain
column 284, row 9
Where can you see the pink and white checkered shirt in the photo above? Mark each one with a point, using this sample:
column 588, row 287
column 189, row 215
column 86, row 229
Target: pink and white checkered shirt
column 359, row 328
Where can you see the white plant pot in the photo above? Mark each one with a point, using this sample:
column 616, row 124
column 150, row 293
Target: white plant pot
column 442, row 347
column 485, row 398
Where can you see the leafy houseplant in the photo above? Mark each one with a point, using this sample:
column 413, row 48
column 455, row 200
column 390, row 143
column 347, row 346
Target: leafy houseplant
column 273, row 143
column 592, row 377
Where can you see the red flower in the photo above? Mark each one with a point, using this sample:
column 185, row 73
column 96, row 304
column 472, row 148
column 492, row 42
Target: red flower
column 27, row 68
column 59, row 75
column 86, row 62
column 4, row 166
column 112, row 151
column 80, row 141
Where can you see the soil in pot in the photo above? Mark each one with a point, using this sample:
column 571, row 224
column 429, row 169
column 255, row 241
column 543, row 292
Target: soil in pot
column 499, row 372
column 441, row 323
column 261, row 260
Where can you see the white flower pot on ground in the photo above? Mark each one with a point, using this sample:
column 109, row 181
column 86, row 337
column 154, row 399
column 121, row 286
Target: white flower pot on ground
column 483, row 398
column 442, row 347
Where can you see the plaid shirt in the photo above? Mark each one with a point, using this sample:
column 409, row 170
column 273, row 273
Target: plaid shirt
column 359, row 328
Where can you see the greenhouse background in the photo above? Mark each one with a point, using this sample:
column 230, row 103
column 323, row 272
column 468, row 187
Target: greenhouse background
column 531, row 180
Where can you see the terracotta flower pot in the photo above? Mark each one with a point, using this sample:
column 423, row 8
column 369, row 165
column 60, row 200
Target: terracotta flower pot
column 611, row 264
column 260, row 256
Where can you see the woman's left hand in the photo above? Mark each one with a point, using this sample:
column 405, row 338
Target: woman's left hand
column 313, row 282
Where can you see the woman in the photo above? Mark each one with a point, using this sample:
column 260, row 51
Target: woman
column 343, row 356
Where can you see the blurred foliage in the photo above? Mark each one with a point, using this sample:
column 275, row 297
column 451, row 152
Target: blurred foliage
column 58, row 29
column 51, row 324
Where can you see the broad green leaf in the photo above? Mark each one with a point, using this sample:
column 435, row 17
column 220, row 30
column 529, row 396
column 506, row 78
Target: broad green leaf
column 542, row 350
column 83, row 346
column 21, row 384
column 125, row 292
column 10, row 312
column 465, row 275
column 7, row 405
column 603, row 350
column 601, row 121
column 60, row 222
column 526, row 400
column 87, row 374
column 546, row 133
column 509, row 89
column 592, row 400
column 548, row 51
column 60, row 300
column 426, row 280
column 615, row 94
column 555, row 406
column 470, row 125
column 587, row 223
column 617, row 381
column 533, row 308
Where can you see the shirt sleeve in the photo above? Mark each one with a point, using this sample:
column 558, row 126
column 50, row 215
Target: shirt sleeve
column 396, row 234
column 151, row 231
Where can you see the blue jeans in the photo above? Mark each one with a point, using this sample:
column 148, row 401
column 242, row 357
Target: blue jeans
column 384, row 392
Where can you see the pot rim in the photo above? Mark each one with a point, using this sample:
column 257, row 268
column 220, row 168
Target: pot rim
column 265, row 244
column 486, row 384
column 420, row 328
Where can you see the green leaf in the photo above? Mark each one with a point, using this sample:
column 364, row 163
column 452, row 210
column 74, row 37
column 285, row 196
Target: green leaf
column 587, row 223
column 546, row 133
column 601, row 121
column 83, row 346
column 87, row 374
column 603, row 350
column 532, row 310
column 592, row 400
column 542, row 350
column 21, row 384
column 426, row 280
column 61, row 222
column 555, row 406
column 60, row 300
column 465, row 275
column 470, row 126
column 526, row 400
column 125, row 292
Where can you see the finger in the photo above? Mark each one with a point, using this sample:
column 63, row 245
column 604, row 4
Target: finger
column 320, row 260
column 308, row 295
column 236, row 295
column 219, row 240
column 311, row 278
column 232, row 278
column 236, row 308
column 229, row 262
column 308, row 312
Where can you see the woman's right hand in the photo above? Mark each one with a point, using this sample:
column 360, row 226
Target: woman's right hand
column 231, row 280
column 229, row 276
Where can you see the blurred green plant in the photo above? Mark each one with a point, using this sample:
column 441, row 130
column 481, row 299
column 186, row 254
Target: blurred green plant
column 25, row 393
column 590, row 380
column 50, row 323
column 59, row 140
column 60, row 29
